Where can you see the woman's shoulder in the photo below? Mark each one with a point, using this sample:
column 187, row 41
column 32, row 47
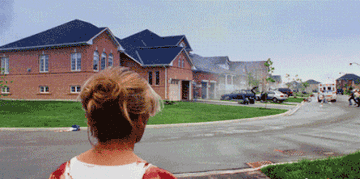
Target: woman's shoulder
column 154, row 172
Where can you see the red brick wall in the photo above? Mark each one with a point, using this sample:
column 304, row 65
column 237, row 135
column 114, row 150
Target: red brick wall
column 59, row 78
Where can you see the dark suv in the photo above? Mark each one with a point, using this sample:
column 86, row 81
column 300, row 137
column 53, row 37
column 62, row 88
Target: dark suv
column 286, row 91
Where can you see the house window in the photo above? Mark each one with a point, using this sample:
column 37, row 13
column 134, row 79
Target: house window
column 182, row 63
column 110, row 60
column 157, row 74
column 4, row 65
column 44, row 63
column 75, row 89
column 75, row 61
column 150, row 77
column 182, row 44
column 103, row 61
column 179, row 63
column 5, row 89
column 44, row 89
column 96, row 61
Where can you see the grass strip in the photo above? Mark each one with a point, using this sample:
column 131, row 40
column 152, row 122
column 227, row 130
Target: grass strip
column 16, row 113
column 333, row 167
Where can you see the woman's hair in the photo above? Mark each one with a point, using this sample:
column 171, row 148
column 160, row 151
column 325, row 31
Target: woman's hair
column 113, row 100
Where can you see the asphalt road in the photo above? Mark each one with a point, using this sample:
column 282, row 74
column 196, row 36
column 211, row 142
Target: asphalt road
column 312, row 132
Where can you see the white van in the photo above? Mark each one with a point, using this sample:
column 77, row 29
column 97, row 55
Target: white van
column 328, row 91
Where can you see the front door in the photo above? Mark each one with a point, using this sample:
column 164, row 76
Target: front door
column 203, row 90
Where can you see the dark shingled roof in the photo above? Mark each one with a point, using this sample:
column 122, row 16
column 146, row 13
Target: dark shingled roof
column 210, row 64
column 349, row 76
column 158, row 56
column 311, row 81
column 148, row 48
column 75, row 32
column 277, row 78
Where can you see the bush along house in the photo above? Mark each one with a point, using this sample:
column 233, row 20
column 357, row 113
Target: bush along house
column 53, row 64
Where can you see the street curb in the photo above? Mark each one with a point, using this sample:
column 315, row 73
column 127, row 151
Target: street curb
column 287, row 113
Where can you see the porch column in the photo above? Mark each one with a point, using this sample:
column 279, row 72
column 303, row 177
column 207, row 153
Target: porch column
column 207, row 89
column 225, row 80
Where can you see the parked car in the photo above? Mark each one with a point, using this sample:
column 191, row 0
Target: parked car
column 275, row 96
column 287, row 91
column 238, row 94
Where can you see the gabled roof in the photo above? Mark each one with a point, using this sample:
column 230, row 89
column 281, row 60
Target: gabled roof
column 238, row 67
column 158, row 56
column 277, row 78
column 148, row 48
column 210, row 64
column 72, row 33
column 349, row 76
column 311, row 81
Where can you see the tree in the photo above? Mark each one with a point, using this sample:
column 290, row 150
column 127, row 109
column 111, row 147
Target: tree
column 252, row 82
column 269, row 65
column 305, row 84
column 3, row 82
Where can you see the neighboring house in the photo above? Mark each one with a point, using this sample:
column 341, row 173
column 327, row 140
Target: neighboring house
column 54, row 64
column 348, row 80
column 313, row 86
column 163, row 61
column 277, row 83
column 215, row 76
column 212, row 76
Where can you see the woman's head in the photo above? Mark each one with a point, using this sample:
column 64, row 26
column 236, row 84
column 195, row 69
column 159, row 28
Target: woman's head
column 114, row 101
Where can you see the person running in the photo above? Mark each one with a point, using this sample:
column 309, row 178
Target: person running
column 357, row 97
column 352, row 97
column 118, row 104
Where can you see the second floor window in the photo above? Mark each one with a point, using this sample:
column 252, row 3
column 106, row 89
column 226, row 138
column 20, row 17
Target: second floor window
column 96, row 61
column 76, row 62
column 157, row 74
column 150, row 77
column 103, row 61
column 179, row 63
column 110, row 60
column 44, row 63
column 182, row 63
column 4, row 65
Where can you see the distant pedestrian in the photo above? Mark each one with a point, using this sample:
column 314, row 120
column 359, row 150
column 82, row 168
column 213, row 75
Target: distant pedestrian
column 352, row 97
column 117, row 104
column 357, row 97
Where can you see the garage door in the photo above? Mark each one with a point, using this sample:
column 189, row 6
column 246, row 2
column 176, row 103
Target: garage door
column 174, row 91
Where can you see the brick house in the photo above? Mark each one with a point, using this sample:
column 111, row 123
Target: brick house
column 53, row 64
column 348, row 80
column 163, row 61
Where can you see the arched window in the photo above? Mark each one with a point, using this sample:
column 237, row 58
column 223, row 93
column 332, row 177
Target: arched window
column 110, row 60
column 103, row 61
column 96, row 61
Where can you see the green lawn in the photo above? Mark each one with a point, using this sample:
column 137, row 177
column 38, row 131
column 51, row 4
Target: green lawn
column 340, row 167
column 64, row 114
column 296, row 100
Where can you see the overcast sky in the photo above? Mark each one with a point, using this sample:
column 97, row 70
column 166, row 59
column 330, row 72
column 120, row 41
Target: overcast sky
column 314, row 39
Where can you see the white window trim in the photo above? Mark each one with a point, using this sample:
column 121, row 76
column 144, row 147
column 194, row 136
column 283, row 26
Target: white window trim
column 76, row 89
column 111, row 56
column 76, row 62
column 101, row 59
column 96, row 54
column 44, row 62
column 44, row 87
column 5, row 90
column 5, row 65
